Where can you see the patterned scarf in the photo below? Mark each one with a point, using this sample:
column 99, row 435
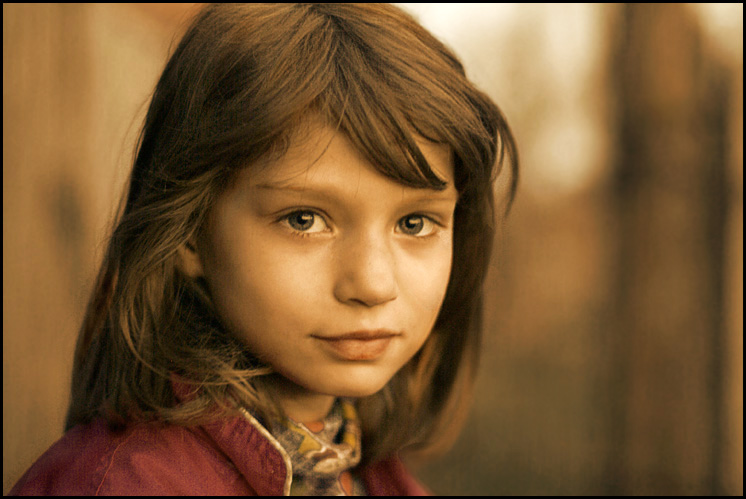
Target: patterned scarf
column 323, row 453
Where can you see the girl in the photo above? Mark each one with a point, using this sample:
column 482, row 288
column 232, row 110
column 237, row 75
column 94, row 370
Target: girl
column 291, row 295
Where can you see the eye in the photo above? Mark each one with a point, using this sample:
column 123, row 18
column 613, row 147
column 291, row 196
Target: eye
column 305, row 221
column 416, row 225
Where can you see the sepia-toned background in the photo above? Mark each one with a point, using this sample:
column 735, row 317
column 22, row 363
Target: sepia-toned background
column 613, row 349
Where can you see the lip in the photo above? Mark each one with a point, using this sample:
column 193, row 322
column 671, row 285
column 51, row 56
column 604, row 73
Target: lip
column 364, row 335
column 358, row 345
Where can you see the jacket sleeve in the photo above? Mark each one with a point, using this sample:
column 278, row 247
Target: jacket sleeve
column 145, row 460
column 73, row 465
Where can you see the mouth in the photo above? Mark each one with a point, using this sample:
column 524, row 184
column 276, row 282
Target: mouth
column 358, row 345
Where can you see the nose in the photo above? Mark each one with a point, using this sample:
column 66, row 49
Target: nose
column 366, row 271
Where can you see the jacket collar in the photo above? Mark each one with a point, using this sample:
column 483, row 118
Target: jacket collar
column 265, row 465
column 257, row 455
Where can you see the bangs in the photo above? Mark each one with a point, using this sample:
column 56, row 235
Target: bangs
column 382, row 92
column 368, row 108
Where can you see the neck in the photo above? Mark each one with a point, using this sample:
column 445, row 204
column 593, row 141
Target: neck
column 301, row 405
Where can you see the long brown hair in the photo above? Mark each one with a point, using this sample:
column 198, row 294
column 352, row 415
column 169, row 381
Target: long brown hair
column 240, row 83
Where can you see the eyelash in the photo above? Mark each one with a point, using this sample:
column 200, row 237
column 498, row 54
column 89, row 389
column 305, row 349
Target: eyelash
column 285, row 220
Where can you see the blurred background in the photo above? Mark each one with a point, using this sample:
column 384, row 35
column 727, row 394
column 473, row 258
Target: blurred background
column 613, row 355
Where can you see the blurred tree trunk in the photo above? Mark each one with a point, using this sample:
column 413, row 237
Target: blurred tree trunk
column 76, row 80
column 671, row 202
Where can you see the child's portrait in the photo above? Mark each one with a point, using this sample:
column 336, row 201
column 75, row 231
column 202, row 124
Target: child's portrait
column 372, row 249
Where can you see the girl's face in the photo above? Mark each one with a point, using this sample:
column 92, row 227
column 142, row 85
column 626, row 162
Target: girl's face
column 328, row 271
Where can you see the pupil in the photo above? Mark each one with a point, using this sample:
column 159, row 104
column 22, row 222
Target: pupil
column 302, row 221
column 413, row 224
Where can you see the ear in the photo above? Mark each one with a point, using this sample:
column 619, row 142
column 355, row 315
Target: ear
column 188, row 260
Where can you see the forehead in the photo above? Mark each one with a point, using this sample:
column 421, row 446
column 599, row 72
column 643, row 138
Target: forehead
column 316, row 148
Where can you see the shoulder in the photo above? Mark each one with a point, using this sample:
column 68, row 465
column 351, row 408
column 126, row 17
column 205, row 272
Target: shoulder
column 390, row 477
column 142, row 459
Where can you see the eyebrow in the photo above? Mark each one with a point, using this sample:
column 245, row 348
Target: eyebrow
column 427, row 194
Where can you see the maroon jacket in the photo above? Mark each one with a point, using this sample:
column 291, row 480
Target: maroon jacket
column 233, row 457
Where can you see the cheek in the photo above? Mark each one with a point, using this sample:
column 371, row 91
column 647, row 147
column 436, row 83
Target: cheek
column 259, row 287
column 426, row 277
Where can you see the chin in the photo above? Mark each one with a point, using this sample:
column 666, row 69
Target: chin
column 358, row 392
column 356, row 388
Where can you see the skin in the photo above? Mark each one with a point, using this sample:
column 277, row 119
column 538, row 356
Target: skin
column 319, row 244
